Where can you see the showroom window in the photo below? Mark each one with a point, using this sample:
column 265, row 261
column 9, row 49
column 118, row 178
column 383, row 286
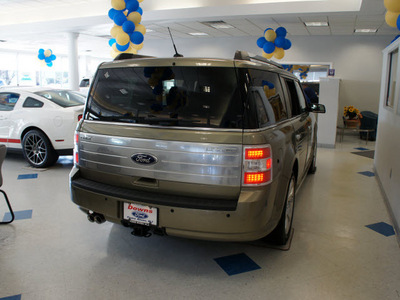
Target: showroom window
column 7, row 101
column 391, row 88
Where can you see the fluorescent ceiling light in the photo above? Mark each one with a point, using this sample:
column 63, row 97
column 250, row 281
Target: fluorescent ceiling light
column 365, row 30
column 198, row 33
column 316, row 24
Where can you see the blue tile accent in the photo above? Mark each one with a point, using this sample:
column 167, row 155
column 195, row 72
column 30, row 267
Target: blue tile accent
column 19, row 215
column 361, row 148
column 382, row 228
column 236, row 264
column 27, row 176
column 16, row 297
column 367, row 173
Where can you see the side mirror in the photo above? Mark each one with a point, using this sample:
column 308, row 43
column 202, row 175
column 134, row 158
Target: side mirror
column 318, row 108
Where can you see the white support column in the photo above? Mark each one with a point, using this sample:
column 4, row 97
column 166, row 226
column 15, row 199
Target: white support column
column 73, row 70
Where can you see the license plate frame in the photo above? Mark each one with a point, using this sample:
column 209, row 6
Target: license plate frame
column 140, row 214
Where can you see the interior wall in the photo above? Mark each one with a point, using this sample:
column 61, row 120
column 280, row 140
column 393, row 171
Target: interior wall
column 387, row 149
column 356, row 59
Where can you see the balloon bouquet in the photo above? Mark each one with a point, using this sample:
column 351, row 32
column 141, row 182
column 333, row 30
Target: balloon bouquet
column 274, row 43
column 46, row 57
column 127, row 32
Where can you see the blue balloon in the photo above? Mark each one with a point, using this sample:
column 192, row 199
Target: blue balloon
column 132, row 5
column 128, row 27
column 140, row 11
column 122, row 48
column 50, row 64
column 112, row 42
column 287, row 45
column 261, row 41
column 47, row 59
column 281, row 31
column 52, row 57
column 398, row 22
column 269, row 47
column 119, row 18
column 111, row 13
column 41, row 56
column 137, row 37
column 280, row 41
column 41, row 51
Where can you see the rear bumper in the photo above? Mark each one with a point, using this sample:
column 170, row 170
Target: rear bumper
column 249, row 218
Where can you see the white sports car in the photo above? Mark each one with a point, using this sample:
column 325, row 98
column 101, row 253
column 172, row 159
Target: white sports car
column 40, row 121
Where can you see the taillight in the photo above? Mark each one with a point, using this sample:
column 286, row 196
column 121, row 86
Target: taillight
column 79, row 117
column 76, row 149
column 257, row 165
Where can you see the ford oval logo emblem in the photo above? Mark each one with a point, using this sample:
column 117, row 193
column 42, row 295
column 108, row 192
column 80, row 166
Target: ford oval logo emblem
column 144, row 159
column 140, row 215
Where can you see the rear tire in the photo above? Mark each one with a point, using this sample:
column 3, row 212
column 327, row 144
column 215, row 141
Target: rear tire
column 38, row 150
column 281, row 233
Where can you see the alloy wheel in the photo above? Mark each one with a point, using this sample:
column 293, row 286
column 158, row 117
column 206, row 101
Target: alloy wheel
column 35, row 149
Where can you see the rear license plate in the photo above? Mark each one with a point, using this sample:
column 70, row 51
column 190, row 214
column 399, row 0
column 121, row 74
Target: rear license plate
column 140, row 214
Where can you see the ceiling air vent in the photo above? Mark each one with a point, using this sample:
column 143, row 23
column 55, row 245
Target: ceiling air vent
column 217, row 24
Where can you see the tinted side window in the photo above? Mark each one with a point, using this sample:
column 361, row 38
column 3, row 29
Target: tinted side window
column 84, row 83
column 257, row 108
column 30, row 102
column 270, row 84
column 7, row 101
column 297, row 101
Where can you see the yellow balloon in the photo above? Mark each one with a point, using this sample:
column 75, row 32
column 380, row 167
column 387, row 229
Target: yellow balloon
column 47, row 53
column 140, row 1
column 141, row 28
column 279, row 53
column 267, row 55
column 135, row 17
column 137, row 47
column 270, row 35
column 115, row 30
column 123, row 38
column 118, row 4
column 392, row 5
column 391, row 18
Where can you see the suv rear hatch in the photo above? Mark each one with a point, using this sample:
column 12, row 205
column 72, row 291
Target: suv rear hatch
column 171, row 130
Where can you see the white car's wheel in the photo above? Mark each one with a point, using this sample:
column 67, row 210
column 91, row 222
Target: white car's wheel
column 38, row 150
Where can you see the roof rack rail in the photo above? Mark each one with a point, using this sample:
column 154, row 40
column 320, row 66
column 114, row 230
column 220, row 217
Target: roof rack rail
column 244, row 55
column 123, row 56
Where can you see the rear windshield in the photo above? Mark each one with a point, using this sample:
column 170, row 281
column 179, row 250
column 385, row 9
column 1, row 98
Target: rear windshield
column 167, row 96
column 63, row 98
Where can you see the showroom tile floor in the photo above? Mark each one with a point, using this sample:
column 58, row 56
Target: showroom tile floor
column 52, row 252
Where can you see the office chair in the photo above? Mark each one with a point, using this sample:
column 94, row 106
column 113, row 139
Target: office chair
column 3, row 151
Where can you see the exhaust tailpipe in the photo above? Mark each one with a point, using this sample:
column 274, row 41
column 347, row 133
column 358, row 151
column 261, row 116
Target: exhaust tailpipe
column 99, row 218
column 95, row 217
column 90, row 217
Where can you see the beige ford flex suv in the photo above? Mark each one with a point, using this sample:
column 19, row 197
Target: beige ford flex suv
column 200, row 148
